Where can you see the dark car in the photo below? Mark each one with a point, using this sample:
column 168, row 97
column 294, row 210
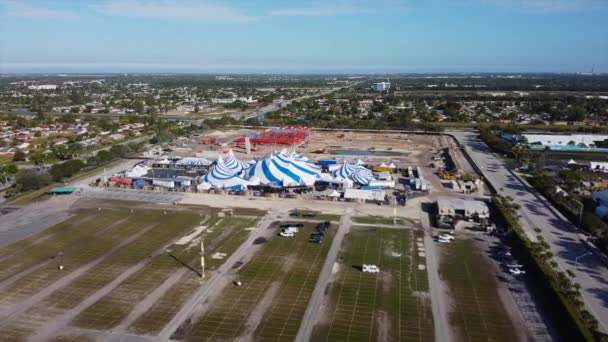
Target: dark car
column 287, row 225
column 309, row 215
column 294, row 213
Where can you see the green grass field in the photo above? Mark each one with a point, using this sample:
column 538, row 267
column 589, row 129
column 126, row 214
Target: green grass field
column 390, row 306
column 143, row 234
column 383, row 220
column 223, row 235
column 291, row 266
column 477, row 312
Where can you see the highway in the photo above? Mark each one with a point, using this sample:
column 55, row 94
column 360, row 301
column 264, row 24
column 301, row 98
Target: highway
column 570, row 250
column 276, row 105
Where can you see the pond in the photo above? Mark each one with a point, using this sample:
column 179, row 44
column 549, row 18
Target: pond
column 366, row 153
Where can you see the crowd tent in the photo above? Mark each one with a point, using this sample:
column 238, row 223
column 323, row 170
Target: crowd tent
column 284, row 169
column 138, row 171
column 221, row 176
column 192, row 161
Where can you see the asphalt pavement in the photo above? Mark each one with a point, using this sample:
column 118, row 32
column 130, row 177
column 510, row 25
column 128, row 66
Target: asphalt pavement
column 570, row 250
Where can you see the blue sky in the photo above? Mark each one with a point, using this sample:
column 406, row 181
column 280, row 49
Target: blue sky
column 303, row 36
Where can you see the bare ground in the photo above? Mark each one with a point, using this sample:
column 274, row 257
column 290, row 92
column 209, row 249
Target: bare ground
column 257, row 314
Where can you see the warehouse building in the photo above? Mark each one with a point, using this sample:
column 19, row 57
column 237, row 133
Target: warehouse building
column 452, row 210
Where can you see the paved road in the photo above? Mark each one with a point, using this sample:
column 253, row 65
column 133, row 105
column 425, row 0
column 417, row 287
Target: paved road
column 440, row 298
column 561, row 235
column 318, row 294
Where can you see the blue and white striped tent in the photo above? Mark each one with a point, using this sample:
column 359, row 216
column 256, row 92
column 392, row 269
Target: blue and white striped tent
column 283, row 170
column 234, row 164
column 221, row 176
column 362, row 176
column 343, row 171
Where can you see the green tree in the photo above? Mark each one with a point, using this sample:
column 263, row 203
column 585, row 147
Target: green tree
column 19, row 156
column 31, row 180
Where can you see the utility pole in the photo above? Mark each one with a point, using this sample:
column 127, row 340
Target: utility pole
column 395, row 214
column 202, row 260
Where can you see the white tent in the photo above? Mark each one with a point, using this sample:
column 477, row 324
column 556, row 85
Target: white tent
column 192, row 161
column 137, row 171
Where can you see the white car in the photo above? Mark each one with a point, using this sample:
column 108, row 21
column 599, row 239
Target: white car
column 443, row 240
column 514, row 265
column 516, row 271
column 370, row 268
column 290, row 230
column 285, row 234
column 447, row 237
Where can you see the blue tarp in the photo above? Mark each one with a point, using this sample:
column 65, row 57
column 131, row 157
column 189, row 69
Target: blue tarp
column 139, row 182
column 327, row 162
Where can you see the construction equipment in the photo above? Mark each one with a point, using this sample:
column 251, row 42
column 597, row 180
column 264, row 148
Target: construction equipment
column 446, row 175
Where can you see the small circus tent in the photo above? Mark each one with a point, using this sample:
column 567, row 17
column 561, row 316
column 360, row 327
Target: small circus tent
column 362, row 176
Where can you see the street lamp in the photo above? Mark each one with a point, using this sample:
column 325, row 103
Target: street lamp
column 580, row 257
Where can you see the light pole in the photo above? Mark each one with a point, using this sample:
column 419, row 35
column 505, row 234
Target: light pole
column 580, row 257
column 202, row 260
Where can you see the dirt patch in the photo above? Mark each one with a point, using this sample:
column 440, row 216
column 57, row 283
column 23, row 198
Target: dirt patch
column 387, row 280
column 384, row 325
column 257, row 314
column 187, row 238
column 219, row 255
column 289, row 262
column 335, row 268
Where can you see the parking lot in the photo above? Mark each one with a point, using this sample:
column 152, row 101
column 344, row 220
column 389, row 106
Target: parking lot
column 477, row 311
column 390, row 305
column 275, row 288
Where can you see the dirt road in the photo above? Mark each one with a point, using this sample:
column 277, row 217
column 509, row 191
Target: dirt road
column 318, row 294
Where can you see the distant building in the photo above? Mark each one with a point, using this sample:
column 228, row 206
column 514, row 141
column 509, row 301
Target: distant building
column 43, row 87
column 381, row 86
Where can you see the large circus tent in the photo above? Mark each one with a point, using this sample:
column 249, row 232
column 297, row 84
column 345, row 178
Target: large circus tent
column 285, row 169
column 222, row 176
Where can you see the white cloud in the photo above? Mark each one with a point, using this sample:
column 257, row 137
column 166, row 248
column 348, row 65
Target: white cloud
column 14, row 8
column 318, row 11
column 550, row 5
column 202, row 10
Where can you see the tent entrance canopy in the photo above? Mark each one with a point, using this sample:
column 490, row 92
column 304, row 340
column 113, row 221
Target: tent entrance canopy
column 62, row 190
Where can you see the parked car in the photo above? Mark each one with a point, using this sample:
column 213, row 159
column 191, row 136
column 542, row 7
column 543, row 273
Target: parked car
column 447, row 237
column 370, row 268
column 290, row 230
column 514, row 265
column 516, row 271
column 287, row 225
column 284, row 234
column 309, row 215
column 294, row 213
